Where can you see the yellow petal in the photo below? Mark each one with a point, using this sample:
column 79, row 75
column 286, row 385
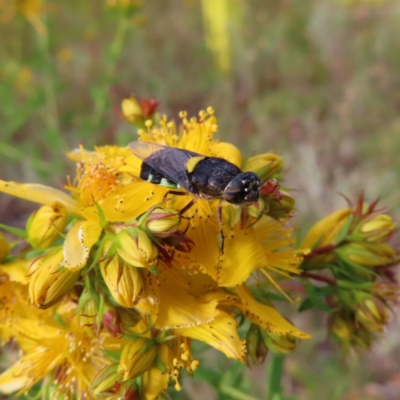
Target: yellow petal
column 39, row 194
column 243, row 254
column 127, row 202
column 154, row 382
column 227, row 151
column 80, row 239
column 149, row 304
column 17, row 271
column 266, row 316
column 14, row 378
column 177, row 307
column 221, row 334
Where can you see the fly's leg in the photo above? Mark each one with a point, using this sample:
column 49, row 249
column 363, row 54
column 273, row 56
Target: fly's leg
column 184, row 209
column 176, row 193
column 221, row 231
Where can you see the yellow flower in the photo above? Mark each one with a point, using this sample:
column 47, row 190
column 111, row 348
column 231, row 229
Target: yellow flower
column 49, row 347
column 163, row 266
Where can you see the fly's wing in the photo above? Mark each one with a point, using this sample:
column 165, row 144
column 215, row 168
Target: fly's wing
column 169, row 161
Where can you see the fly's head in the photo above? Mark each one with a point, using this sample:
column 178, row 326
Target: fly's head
column 244, row 189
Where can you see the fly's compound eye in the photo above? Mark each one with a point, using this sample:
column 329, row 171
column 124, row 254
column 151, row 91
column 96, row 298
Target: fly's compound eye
column 243, row 189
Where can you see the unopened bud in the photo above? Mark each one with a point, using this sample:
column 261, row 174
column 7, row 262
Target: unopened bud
column 323, row 234
column 361, row 255
column 125, row 282
column 377, row 228
column 256, row 348
column 387, row 290
column 131, row 110
column 136, row 248
column 281, row 206
column 341, row 328
column 88, row 309
column 107, row 382
column 50, row 282
column 137, row 357
column 45, row 226
column 278, row 344
column 371, row 312
column 264, row 165
column 162, row 222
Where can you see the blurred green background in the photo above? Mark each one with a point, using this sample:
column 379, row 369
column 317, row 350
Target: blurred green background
column 316, row 81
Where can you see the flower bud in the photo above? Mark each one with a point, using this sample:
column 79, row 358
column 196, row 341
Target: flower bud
column 131, row 109
column 371, row 311
column 341, row 328
column 278, row 344
column 161, row 222
column 264, row 165
column 280, row 207
column 88, row 309
column 136, row 248
column 4, row 248
column 386, row 290
column 107, row 381
column 137, row 357
column 125, row 282
column 325, row 231
column 256, row 348
column 45, row 226
column 375, row 229
column 360, row 256
column 50, row 282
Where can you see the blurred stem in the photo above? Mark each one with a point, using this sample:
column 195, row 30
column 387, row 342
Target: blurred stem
column 51, row 114
column 235, row 393
column 275, row 377
column 114, row 53
column 320, row 278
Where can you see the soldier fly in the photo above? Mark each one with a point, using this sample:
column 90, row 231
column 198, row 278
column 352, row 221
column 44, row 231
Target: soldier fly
column 209, row 178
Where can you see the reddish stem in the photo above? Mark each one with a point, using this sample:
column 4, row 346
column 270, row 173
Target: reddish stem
column 321, row 250
column 320, row 278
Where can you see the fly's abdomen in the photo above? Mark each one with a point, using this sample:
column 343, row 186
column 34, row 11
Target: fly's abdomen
column 149, row 174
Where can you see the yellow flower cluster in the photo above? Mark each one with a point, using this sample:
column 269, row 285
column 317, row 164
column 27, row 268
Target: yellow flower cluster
column 108, row 286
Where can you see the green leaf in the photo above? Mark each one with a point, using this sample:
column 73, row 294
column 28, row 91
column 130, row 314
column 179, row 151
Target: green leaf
column 102, row 217
column 344, row 231
column 316, row 297
column 14, row 231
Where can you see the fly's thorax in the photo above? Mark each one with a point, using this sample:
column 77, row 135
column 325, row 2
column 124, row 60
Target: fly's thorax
column 211, row 175
column 243, row 189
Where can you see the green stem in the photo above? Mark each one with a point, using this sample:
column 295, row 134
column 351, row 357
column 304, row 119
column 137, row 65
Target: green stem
column 114, row 53
column 51, row 115
column 235, row 393
column 275, row 377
